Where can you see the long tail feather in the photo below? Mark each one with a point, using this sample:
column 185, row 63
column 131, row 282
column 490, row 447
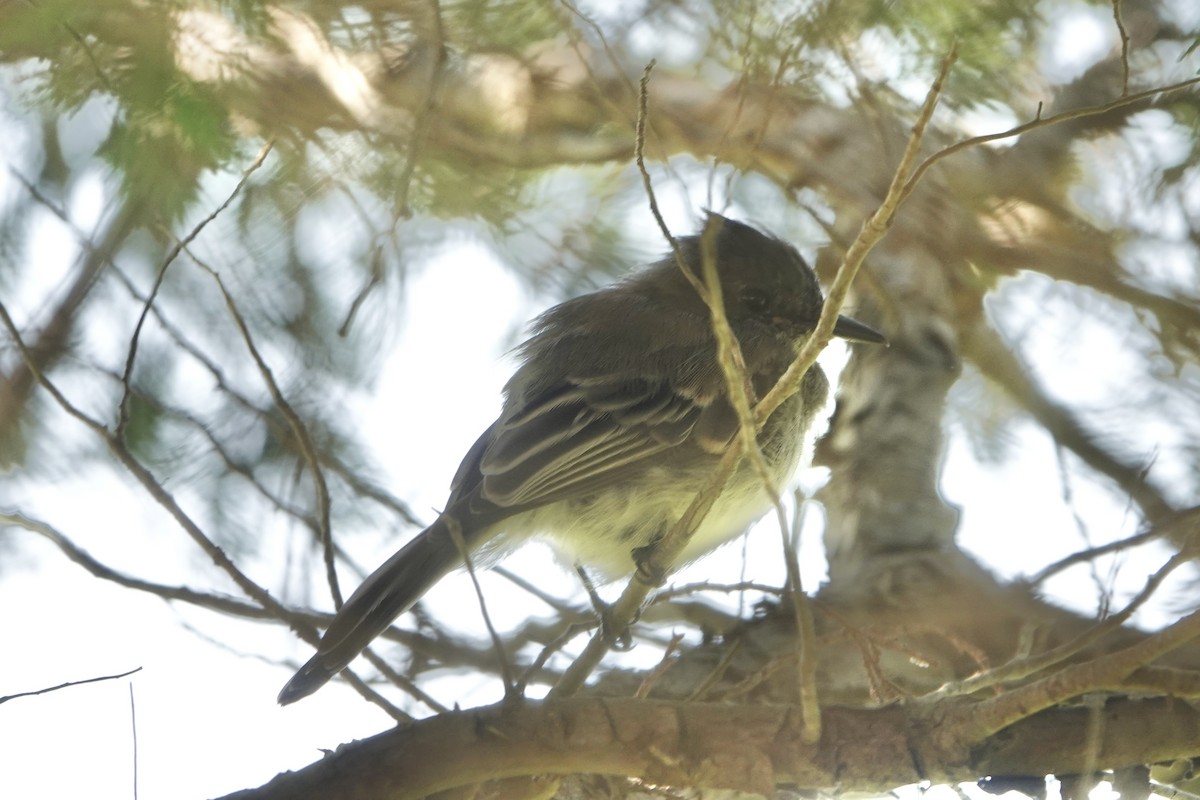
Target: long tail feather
column 383, row 596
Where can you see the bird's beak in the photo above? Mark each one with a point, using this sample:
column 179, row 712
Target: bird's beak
column 854, row 331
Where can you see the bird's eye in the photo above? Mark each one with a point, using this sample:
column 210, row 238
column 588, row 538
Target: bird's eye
column 755, row 300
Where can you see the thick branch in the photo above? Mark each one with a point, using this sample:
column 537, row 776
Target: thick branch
column 725, row 746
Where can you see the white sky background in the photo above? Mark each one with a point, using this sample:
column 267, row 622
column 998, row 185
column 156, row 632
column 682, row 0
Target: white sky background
column 207, row 722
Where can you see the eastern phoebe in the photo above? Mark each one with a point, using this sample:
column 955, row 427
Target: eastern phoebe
column 616, row 415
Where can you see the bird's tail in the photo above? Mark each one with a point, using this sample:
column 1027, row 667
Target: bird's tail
column 384, row 595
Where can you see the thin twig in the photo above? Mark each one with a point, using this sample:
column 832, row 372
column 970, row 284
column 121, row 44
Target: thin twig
column 562, row 607
column 224, row 605
column 1018, row 669
column 617, row 63
column 806, row 631
column 552, row 647
column 666, row 551
column 1093, row 552
column 873, row 230
column 639, row 157
column 1104, row 589
column 704, row 586
column 133, row 729
column 298, row 622
column 299, row 430
column 368, row 692
column 733, row 367
column 717, row 673
column 373, row 280
column 404, row 682
column 455, row 529
column 357, row 484
column 1040, row 122
column 1189, row 517
column 180, row 244
column 668, row 660
column 156, row 490
column 68, row 684
column 219, row 603
column 1124, row 34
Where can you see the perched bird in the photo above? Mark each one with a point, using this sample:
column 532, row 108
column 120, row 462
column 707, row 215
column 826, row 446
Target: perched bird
column 615, row 417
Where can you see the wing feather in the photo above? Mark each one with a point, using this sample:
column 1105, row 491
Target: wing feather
column 583, row 436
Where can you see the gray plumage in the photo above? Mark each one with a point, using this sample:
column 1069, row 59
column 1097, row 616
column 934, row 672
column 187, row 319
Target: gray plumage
column 615, row 416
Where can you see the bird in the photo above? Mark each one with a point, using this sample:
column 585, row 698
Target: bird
column 616, row 414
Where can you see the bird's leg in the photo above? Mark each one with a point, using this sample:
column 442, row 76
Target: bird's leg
column 620, row 640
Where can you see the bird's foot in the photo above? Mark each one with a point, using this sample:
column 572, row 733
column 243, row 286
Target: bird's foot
column 650, row 574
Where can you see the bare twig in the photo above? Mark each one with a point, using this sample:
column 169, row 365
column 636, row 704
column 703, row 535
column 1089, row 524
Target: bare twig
column 552, row 647
column 53, row 337
column 213, row 602
column 1024, row 667
column 618, row 65
column 455, row 530
column 704, row 586
column 718, row 672
column 373, row 280
column 738, row 387
column 156, row 490
column 299, row 430
column 667, row 550
column 405, row 683
column 133, row 729
column 68, row 684
column 1181, row 526
column 1104, row 587
column 352, row 480
column 180, row 244
column 1124, row 34
column 985, row 348
column 298, row 622
column 806, row 672
column 640, row 159
column 562, row 607
column 668, row 660
column 1040, row 122
column 1081, row 556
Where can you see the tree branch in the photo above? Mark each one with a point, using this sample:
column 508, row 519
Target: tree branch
column 725, row 746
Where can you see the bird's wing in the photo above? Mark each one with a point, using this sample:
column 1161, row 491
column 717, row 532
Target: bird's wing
column 588, row 433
